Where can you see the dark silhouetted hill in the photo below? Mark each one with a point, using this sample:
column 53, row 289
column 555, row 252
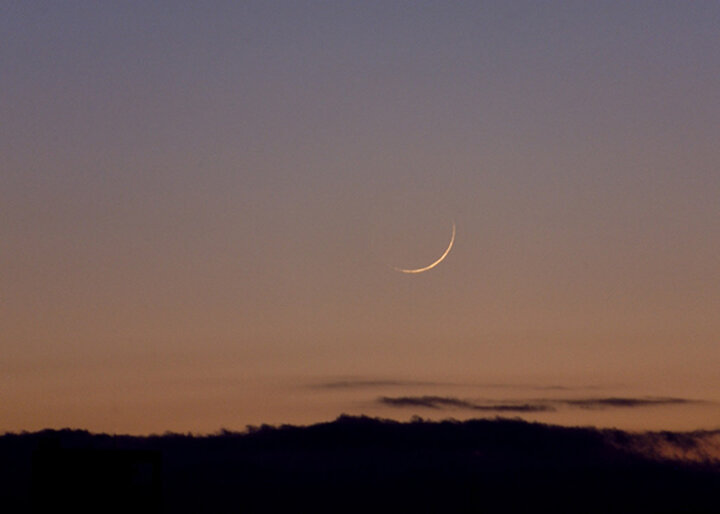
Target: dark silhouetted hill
column 356, row 464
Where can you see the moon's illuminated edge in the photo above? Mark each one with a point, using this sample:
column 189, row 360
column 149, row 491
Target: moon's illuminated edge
column 431, row 266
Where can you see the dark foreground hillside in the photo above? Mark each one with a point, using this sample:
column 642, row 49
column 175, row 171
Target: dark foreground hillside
column 352, row 465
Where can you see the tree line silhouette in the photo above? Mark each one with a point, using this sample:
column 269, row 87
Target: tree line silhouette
column 353, row 464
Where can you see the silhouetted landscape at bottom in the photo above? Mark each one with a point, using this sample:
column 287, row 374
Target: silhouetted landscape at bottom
column 360, row 464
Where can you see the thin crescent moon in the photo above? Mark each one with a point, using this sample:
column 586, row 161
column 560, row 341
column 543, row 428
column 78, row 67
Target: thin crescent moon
column 431, row 266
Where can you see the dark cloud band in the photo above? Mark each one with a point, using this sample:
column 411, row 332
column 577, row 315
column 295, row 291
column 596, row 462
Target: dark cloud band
column 439, row 402
column 442, row 402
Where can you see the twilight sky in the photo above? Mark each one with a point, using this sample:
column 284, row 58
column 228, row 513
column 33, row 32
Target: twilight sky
column 201, row 205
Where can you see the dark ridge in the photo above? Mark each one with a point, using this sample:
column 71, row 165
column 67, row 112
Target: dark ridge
column 353, row 464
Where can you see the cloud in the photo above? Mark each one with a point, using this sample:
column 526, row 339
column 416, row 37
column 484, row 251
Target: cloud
column 439, row 402
column 599, row 403
column 533, row 405
column 515, row 407
column 432, row 402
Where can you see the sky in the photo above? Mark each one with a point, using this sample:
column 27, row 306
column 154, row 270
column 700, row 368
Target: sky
column 201, row 206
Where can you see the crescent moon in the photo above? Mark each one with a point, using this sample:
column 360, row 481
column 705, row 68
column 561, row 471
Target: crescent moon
column 431, row 266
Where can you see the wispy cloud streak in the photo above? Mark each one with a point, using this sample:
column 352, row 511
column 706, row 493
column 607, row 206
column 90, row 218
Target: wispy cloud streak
column 439, row 402
column 599, row 403
column 534, row 405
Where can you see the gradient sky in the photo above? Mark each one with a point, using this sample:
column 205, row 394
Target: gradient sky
column 200, row 203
